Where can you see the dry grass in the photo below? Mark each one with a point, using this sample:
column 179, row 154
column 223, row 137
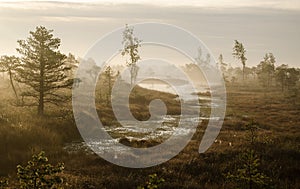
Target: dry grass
column 277, row 144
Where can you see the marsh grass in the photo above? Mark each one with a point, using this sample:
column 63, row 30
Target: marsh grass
column 22, row 134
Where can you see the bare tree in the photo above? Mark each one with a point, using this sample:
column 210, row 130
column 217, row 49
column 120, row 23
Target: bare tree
column 131, row 48
column 205, row 63
column 239, row 53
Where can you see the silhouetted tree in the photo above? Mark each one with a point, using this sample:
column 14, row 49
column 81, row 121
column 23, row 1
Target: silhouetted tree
column 72, row 63
column 91, row 68
column 222, row 66
column 238, row 73
column 254, row 72
column 266, row 70
column 109, row 80
column 281, row 75
column 9, row 64
column 239, row 53
column 42, row 68
column 205, row 63
column 208, row 59
column 247, row 72
column 292, row 78
column 131, row 48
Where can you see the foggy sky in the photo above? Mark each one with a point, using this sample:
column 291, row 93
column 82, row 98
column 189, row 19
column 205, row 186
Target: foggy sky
column 271, row 26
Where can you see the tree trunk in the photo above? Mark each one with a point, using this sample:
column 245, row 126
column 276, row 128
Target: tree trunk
column 131, row 76
column 41, row 90
column 12, row 84
column 109, row 85
column 41, row 105
column 243, row 72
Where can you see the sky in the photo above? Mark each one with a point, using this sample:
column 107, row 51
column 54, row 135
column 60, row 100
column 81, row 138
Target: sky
column 262, row 26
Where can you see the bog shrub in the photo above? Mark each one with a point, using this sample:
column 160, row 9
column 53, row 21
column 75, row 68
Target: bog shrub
column 39, row 174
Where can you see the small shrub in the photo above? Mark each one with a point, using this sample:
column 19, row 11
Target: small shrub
column 249, row 176
column 153, row 182
column 38, row 173
column 3, row 183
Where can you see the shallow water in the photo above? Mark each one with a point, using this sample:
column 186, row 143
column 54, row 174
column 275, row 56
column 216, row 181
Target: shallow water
column 158, row 129
column 168, row 128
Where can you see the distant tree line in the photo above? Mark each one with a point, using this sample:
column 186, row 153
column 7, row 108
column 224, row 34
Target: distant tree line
column 44, row 73
column 266, row 73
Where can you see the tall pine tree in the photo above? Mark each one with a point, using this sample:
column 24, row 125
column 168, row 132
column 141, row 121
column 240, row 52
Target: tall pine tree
column 42, row 68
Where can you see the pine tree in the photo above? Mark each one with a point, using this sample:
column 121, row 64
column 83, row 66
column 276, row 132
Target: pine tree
column 239, row 53
column 266, row 70
column 9, row 64
column 42, row 68
column 108, row 73
column 249, row 175
column 39, row 173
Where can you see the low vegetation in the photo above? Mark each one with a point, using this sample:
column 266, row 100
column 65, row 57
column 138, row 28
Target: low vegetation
column 258, row 146
column 274, row 159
